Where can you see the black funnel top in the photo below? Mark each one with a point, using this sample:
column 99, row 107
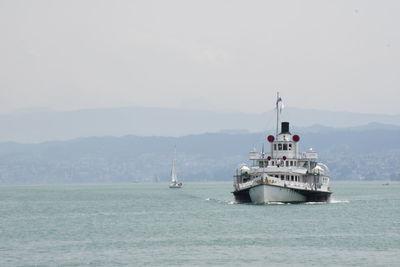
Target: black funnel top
column 285, row 128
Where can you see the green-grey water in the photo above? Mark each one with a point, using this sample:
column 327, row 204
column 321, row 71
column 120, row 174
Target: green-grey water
column 199, row 225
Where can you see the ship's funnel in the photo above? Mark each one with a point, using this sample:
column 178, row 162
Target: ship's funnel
column 285, row 128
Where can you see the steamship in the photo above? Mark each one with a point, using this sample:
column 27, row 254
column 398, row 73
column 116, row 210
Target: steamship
column 284, row 175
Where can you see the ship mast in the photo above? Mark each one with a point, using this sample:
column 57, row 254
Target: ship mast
column 277, row 114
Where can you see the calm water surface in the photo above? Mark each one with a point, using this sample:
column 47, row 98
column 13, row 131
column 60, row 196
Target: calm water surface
column 199, row 225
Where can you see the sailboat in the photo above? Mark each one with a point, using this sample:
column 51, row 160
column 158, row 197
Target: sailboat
column 174, row 180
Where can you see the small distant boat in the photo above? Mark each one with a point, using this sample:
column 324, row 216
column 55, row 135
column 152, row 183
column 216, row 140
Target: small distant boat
column 174, row 180
column 385, row 184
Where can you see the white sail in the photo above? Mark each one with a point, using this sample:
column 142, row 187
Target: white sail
column 173, row 171
column 174, row 179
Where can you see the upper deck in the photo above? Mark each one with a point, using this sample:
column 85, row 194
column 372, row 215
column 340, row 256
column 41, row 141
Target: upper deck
column 282, row 148
column 311, row 155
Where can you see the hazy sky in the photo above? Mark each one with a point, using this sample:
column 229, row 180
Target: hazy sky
column 333, row 55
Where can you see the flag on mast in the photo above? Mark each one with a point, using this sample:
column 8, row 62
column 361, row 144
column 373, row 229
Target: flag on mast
column 279, row 104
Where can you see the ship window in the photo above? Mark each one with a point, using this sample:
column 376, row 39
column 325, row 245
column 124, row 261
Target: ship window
column 261, row 164
column 290, row 146
column 274, row 146
column 291, row 163
column 272, row 163
column 284, row 146
column 282, row 177
column 279, row 146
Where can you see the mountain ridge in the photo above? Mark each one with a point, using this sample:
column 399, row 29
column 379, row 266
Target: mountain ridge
column 45, row 125
column 350, row 154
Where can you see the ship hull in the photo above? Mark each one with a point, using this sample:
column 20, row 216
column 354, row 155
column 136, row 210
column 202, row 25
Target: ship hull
column 264, row 193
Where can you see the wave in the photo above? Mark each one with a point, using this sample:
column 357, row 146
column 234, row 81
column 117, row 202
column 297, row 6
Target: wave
column 229, row 202
column 332, row 201
column 277, row 203
column 336, row 201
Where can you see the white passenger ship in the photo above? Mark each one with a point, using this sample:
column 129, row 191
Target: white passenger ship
column 284, row 174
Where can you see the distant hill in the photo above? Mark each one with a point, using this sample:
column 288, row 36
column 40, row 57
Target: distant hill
column 370, row 152
column 46, row 125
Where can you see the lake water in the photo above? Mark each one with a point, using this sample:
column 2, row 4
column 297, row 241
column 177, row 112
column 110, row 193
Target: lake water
column 199, row 225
